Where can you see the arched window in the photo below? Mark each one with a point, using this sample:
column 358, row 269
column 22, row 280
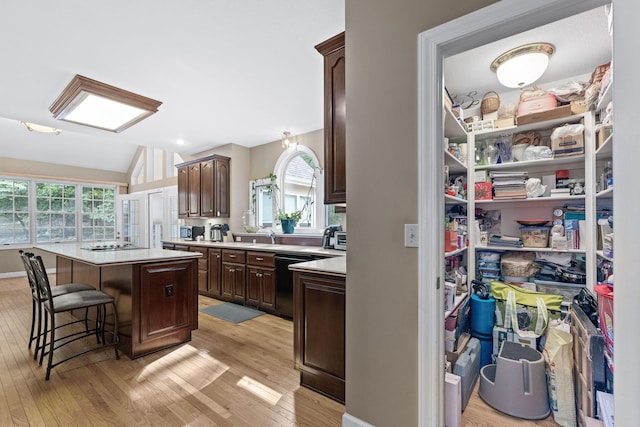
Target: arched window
column 300, row 186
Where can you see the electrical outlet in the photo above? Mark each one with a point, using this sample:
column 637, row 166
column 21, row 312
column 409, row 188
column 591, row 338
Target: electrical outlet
column 411, row 235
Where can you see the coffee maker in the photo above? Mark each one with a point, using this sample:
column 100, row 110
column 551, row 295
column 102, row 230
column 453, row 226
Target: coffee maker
column 218, row 231
column 328, row 237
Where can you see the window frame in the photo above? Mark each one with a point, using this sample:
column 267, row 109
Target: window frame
column 33, row 209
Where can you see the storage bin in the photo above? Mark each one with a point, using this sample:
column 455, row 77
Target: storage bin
column 535, row 237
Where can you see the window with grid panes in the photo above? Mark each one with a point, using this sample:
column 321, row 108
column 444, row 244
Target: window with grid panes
column 98, row 213
column 14, row 211
column 55, row 212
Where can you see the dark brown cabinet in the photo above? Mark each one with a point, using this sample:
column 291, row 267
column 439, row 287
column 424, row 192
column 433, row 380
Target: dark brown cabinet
column 233, row 276
column 203, row 268
column 261, row 281
column 215, row 273
column 167, row 300
column 203, row 188
column 319, row 334
column 335, row 185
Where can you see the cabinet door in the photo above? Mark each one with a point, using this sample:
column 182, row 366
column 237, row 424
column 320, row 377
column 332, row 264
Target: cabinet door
column 335, row 187
column 222, row 189
column 167, row 298
column 228, row 277
column 183, row 192
column 194, row 190
column 253, row 286
column 207, row 196
column 268, row 289
column 215, row 276
column 239, row 284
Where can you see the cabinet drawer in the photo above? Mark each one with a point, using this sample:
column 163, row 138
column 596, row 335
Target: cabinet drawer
column 261, row 259
column 230, row 255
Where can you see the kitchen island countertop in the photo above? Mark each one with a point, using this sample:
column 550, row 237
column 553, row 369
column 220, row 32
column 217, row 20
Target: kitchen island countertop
column 112, row 257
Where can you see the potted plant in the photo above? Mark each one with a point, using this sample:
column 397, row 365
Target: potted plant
column 288, row 220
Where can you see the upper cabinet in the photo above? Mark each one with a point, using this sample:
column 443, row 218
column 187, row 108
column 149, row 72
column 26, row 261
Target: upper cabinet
column 203, row 188
column 335, row 186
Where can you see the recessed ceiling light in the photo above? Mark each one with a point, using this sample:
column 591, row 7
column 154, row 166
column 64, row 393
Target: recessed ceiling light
column 32, row 127
column 92, row 103
column 180, row 141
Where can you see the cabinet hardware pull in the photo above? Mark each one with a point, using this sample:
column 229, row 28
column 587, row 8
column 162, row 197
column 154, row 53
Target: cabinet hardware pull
column 259, row 259
column 232, row 256
column 232, row 270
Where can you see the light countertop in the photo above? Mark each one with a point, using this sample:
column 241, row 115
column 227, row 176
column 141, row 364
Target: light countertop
column 330, row 266
column 109, row 257
column 265, row 247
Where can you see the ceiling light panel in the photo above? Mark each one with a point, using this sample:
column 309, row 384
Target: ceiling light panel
column 92, row 103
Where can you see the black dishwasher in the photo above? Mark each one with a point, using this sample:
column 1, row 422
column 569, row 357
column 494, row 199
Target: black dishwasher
column 284, row 282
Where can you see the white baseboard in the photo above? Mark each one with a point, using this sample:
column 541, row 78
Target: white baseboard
column 351, row 421
column 12, row 274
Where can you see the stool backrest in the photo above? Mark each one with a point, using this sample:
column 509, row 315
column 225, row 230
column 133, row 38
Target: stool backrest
column 40, row 272
column 26, row 260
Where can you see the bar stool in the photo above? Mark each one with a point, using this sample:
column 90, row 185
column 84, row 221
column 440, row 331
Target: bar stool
column 65, row 303
column 36, row 306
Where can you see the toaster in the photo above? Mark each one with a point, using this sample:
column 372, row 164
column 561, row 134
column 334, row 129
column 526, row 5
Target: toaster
column 340, row 242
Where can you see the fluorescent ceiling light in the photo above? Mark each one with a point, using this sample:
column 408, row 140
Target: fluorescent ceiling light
column 523, row 65
column 92, row 103
column 32, row 127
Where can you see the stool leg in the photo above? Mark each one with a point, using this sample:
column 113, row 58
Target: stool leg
column 33, row 321
column 116, row 337
column 51, row 345
column 44, row 337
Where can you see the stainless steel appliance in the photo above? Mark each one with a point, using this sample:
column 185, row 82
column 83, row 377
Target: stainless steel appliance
column 340, row 240
column 217, row 233
column 328, row 238
column 191, row 232
column 284, row 282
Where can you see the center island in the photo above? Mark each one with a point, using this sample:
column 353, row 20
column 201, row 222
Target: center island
column 156, row 290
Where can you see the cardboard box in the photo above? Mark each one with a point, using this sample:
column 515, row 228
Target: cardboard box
column 483, row 191
column 578, row 106
column 554, row 113
column 529, row 342
column 452, row 356
column 603, row 133
column 568, row 145
column 504, row 122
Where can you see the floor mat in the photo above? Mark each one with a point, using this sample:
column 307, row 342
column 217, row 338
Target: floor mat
column 232, row 312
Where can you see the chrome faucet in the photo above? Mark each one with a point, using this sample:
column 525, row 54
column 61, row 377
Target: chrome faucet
column 273, row 237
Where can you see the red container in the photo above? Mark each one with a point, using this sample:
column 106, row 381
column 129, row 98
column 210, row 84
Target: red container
column 605, row 312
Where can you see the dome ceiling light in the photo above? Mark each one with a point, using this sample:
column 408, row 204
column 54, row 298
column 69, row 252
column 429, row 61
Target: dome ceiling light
column 523, row 65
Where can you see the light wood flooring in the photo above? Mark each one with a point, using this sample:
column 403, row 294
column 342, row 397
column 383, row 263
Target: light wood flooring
column 228, row 375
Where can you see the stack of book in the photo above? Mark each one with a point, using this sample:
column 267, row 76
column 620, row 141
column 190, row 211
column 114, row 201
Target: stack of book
column 509, row 185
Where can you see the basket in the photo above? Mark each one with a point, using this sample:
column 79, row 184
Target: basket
column 605, row 312
column 490, row 102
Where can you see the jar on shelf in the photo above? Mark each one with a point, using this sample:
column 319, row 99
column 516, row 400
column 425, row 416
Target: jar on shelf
column 491, row 152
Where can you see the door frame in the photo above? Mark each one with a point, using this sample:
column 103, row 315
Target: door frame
column 494, row 22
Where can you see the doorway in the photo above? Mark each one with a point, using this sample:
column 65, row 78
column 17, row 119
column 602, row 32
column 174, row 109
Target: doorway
column 500, row 20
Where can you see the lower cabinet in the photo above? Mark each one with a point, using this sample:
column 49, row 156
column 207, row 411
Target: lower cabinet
column 319, row 336
column 215, row 273
column 261, row 281
column 203, row 268
column 233, row 276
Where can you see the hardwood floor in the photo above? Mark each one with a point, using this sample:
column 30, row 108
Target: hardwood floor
column 228, row 375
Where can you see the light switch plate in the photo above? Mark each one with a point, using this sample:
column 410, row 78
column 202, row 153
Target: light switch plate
column 411, row 235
